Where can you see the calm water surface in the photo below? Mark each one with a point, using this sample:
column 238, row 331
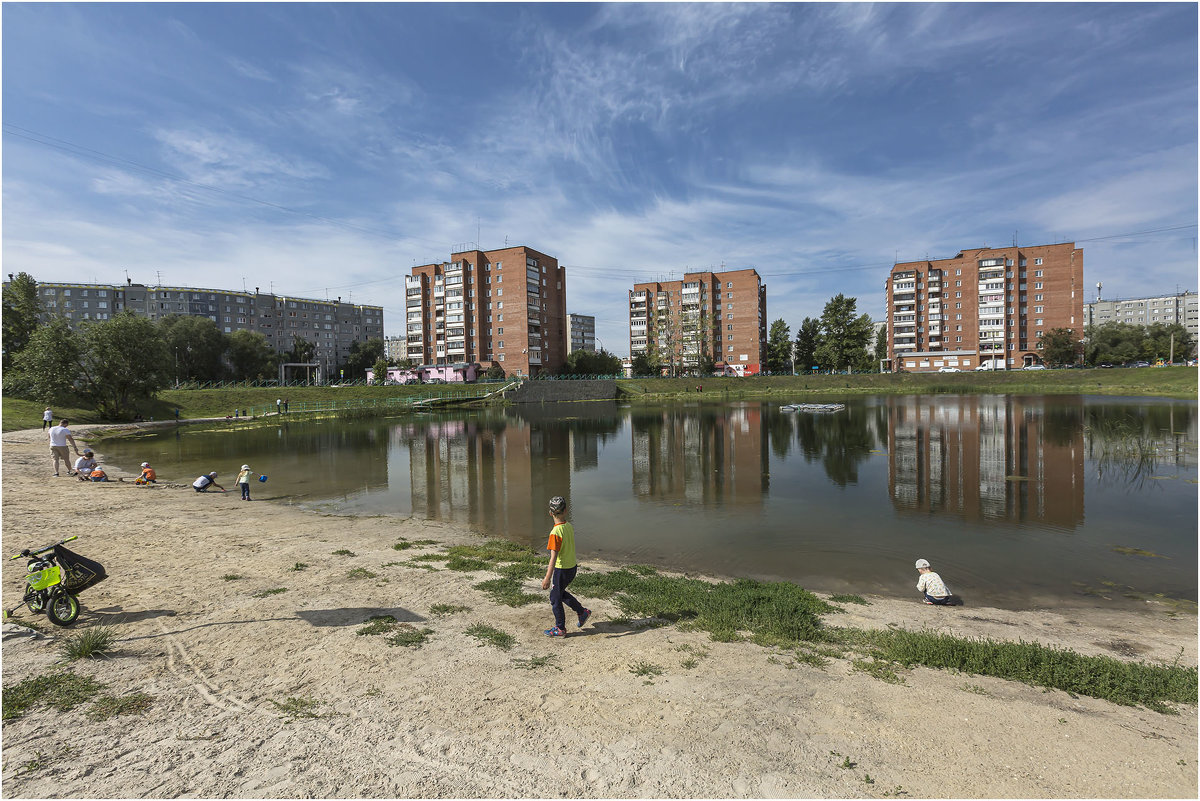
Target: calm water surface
column 1017, row 501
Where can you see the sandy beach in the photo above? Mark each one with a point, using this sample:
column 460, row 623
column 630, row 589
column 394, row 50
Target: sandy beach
column 458, row 718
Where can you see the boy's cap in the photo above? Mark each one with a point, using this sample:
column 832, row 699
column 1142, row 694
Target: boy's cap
column 558, row 504
column 145, row 464
column 922, row 563
column 213, row 474
column 245, row 467
column 86, row 452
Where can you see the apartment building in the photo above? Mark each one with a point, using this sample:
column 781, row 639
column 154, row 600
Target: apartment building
column 1165, row 309
column 581, row 333
column 985, row 306
column 332, row 326
column 395, row 348
column 722, row 315
column 457, row 311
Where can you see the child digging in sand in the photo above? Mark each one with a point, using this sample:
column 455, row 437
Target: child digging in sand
column 561, row 570
column 930, row 584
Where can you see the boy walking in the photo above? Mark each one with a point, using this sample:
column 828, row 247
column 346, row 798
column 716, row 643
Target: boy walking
column 243, row 481
column 561, row 570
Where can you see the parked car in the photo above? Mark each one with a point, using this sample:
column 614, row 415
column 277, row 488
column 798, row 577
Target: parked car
column 1034, row 367
column 949, row 370
column 987, row 366
column 1105, row 364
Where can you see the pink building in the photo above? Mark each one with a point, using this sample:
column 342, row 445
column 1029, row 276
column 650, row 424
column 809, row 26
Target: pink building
column 428, row 373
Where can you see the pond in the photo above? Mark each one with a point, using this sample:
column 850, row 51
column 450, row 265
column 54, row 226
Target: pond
column 1017, row 501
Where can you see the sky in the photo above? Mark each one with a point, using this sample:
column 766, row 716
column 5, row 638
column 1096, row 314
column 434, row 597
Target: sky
column 323, row 150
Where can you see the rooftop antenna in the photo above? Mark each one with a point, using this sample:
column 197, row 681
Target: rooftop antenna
column 126, row 275
column 159, row 274
column 243, row 283
column 506, row 240
column 272, row 287
column 1099, row 286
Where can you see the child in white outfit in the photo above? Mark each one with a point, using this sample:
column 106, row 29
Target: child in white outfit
column 930, row 585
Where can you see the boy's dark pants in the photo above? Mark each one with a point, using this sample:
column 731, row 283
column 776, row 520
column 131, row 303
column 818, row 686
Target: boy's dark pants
column 245, row 491
column 563, row 576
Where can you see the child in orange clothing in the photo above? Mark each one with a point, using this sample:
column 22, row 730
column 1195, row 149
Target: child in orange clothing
column 148, row 475
column 561, row 570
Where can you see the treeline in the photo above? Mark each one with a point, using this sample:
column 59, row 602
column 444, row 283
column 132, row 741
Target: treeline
column 114, row 363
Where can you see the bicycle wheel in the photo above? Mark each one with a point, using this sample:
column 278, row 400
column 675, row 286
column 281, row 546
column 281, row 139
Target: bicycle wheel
column 36, row 601
column 62, row 609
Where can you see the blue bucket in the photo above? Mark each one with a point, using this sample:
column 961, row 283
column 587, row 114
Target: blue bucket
column 262, row 478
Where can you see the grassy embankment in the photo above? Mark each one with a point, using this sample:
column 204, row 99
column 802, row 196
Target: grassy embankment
column 784, row 616
column 1173, row 382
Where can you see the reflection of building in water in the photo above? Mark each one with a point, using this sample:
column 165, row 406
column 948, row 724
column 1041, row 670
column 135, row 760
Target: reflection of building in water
column 496, row 474
column 988, row 458
column 706, row 456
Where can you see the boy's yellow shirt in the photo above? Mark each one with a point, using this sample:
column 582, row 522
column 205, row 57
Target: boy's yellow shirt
column 562, row 539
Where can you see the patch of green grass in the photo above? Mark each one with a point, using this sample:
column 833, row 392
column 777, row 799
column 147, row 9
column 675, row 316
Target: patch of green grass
column 409, row 636
column 447, row 609
column 643, row 570
column 344, row 552
column 298, row 567
column 29, row 624
column 774, row 613
column 89, row 643
column 60, row 691
column 811, row 658
column 645, row 669
column 109, row 706
column 880, row 669
column 508, row 592
column 1126, row 683
column 41, row 760
column 296, row 708
column 426, row 542
column 361, row 573
column 377, row 624
column 847, row 764
column 373, row 692
column 535, row 662
column 491, row 636
column 230, row 577
column 975, row 688
column 689, row 663
column 266, row 593
column 848, row 599
column 402, row 546
column 465, row 564
column 429, row 557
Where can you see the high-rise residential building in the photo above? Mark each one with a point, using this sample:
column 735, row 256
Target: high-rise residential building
column 395, row 348
column 331, row 325
column 988, row 306
column 1165, row 309
column 719, row 315
column 581, row 333
column 458, row 311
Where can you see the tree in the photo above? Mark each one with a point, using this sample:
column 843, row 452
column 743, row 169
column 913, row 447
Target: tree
column 646, row 363
column 667, row 337
column 844, row 336
column 1158, row 343
column 808, row 339
column 302, row 351
column 379, row 371
column 1060, row 346
column 586, row 362
column 779, row 348
column 494, row 373
column 47, row 367
column 251, row 356
column 1114, row 343
column 881, row 344
column 196, row 346
column 122, row 360
column 361, row 357
column 21, row 308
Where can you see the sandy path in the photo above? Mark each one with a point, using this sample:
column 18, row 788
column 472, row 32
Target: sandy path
column 457, row 719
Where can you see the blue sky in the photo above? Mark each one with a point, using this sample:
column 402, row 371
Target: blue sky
column 324, row 149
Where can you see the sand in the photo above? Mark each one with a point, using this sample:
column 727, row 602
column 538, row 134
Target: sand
column 457, row 718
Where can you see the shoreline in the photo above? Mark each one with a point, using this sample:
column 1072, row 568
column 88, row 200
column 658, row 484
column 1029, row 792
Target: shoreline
column 223, row 658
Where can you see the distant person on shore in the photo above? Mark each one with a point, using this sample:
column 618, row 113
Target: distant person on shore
column 278, row 405
column 286, row 401
column 148, row 476
column 930, row 585
column 561, row 570
column 60, row 435
column 47, row 418
column 202, row 483
column 243, row 481
column 84, row 465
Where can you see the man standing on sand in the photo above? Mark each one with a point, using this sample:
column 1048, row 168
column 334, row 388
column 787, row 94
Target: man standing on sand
column 60, row 435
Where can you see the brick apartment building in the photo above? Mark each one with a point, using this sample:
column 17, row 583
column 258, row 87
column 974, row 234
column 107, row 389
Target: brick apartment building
column 720, row 314
column 984, row 306
column 331, row 325
column 459, row 311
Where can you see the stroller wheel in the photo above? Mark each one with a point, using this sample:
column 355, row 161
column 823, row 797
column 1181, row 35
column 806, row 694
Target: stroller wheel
column 63, row 609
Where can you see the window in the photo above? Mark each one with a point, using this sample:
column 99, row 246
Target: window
column 1037, row 261
column 1038, row 321
column 729, row 285
column 729, row 328
column 958, row 294
column 1037, row 273
column 1037, row 284
column 1037, row 297
column 1038, row 309
column 958, row 272
column 958, row 283
column 728, row 305
column 958, row 305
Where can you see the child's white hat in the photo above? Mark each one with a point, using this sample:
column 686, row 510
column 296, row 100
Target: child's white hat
column 922, row 563
column 145, row 464
column 245, row 467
